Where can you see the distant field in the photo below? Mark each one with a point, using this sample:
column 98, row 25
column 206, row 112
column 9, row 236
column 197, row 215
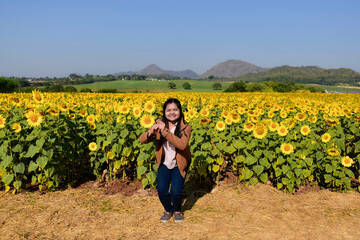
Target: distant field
column 335, row 88
column 153, row 86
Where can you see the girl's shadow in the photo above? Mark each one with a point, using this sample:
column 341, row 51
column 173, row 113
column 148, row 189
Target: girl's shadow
column 195, row 187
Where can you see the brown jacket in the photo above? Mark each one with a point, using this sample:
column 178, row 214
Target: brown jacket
column 182, row 147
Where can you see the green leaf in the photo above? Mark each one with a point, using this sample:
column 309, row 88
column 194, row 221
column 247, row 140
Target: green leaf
column 298, row 172
column 42, row 161
column 229, row 149
column 221, row 145
column 248, row 173
column 49, row 172
column 281, row 160
column 145, row 182
column 349, row 173
column 152, row 177
column 33, row 179
column 309, row 161
column 257, row 153
column 6, row 161
column 32, row 151
column 17, row 184
column 238, row 144
column 206, row 146
column 215, row 152
column 306, row 173
column 7, row 178
column 215, row 168
column 220, row 160
column 285, row 169
column 258, row 169
column 328, row 168
column 264, row 177
column 264, row 162
column 240, row 159
column 40, row 142
column 250, row 160
column 32, row 166
column 126, row 151
column 253, row 181
column 19, row 168
column 141, row 170
column 18, row 148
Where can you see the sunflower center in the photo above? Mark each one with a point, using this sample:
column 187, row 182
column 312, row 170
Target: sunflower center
column 33, row 118
column 287, row 148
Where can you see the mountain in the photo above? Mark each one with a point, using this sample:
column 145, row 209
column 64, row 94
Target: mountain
column 156, row 70
column 232, row 69
column 304, row 75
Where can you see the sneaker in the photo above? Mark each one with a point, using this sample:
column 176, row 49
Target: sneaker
column 166, row 217
column 178, row 217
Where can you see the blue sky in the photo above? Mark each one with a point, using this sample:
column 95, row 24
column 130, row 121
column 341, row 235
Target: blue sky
column 59, row 37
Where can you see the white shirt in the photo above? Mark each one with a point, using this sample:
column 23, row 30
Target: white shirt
column 170, row 152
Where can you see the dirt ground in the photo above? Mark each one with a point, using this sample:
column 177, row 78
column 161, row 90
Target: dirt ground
column 230, row 211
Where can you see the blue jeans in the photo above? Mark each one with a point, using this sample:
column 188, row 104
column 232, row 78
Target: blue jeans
column 171, row 201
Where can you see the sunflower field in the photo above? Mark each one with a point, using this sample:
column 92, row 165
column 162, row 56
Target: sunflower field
column 49, row 140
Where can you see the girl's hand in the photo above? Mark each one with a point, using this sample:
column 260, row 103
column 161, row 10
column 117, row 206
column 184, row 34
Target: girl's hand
column 153, row 129
column 161, row 126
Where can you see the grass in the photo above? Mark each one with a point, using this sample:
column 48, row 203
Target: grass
column 153, row 86
column 230, row 211
column 335, row 88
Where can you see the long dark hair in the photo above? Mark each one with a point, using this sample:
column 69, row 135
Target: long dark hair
column 181, row 117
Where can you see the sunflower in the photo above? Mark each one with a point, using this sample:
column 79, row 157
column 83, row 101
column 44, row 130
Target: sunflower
column 346, row 161
column 235, row 118
column 204, row 121
column 260, row 131
column 136, row 111
column 305, row 130
column 2, row 121
column 225, row 114
column 312, row 119
column 286, row 148
column 357, row 118
column 333, row 152
column 16, row 127
column 241, row 110
column 147, row 121
column 63, row 107
column 204, row 112
column 93, row 146
column 300, row 116
column 283, row 114
column 325, row 137
column 282, row 130
column 53, row 112
column 92, row 126
column 120, row 119
column 82, row 113
column 37, row 96
column 228, row 120
column 248, row 127
column 124, row 109
column 71, row 116
column 192, row 113
column 332, row 122
column 273, row 126
column 220, row 126
column 16, row 101
column 271, row 114
column 90, row 118
column 34, row 118
column 149, row 107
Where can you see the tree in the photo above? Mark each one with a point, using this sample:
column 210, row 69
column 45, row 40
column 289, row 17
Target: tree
column 236, row 87
column 217, row 86
column 187, row 85
column 172, row 85
column 7, row 85
column 85, row 90
column 70, row 89
column 211, row 77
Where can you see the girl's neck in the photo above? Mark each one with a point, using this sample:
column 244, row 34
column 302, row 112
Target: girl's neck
column 172, row 124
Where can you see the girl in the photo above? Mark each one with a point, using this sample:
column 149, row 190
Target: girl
column 172, row 135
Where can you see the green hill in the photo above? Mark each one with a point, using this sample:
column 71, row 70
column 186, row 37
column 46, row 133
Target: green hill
column 305, row 75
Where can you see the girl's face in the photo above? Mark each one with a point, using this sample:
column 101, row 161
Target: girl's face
column 172, row 112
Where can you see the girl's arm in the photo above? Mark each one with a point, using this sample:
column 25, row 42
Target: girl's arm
column 149, row 135
column 179, row 143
